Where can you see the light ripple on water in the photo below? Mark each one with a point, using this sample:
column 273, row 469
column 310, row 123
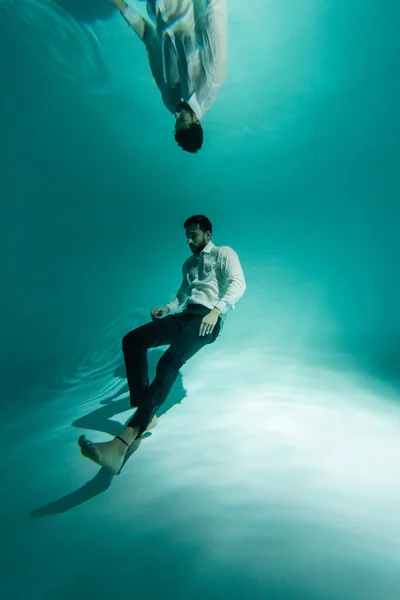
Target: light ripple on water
column 98, row 369
column 57, row 40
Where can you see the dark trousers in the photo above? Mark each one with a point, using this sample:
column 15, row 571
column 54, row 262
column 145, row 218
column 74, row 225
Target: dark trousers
column 181, row 333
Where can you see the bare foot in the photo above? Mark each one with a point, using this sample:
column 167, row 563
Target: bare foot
column 106, row 454
column 109, row 455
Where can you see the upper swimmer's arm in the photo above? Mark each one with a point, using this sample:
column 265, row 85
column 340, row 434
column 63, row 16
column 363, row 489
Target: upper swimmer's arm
column 216, row 23
column 133, row 17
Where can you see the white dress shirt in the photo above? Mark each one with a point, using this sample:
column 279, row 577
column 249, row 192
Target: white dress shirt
column 214, row 278
column 186, row 42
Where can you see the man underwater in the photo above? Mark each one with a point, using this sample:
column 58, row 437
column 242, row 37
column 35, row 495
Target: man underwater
column 212, row 283
column 186, row 42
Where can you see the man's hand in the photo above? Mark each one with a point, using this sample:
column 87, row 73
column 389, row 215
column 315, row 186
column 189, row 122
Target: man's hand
column 159, row 312
column 208, row 322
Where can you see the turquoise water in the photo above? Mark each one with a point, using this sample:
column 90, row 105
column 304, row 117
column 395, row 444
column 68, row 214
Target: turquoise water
column 273, row 473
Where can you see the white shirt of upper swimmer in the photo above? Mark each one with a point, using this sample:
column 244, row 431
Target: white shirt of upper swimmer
column 186, row 42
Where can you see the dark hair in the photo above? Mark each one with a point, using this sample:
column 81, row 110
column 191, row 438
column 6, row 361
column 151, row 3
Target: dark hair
column 201, row 221
column 190, row 139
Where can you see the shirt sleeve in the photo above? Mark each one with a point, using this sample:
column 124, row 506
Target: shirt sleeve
column 181, row 296
column 216, row 24
column 232, row 272
column 137, row 22
column 214, row 53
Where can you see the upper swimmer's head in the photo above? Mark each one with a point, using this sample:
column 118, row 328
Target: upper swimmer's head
column 188, row 130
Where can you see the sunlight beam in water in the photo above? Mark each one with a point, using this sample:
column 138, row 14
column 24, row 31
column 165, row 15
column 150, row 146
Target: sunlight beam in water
column 291, row 443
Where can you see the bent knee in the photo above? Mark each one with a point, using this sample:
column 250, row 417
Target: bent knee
column 131, row 339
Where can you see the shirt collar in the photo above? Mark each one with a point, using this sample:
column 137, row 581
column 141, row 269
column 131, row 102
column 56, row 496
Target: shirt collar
column 195, row 106
column 207, row 249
